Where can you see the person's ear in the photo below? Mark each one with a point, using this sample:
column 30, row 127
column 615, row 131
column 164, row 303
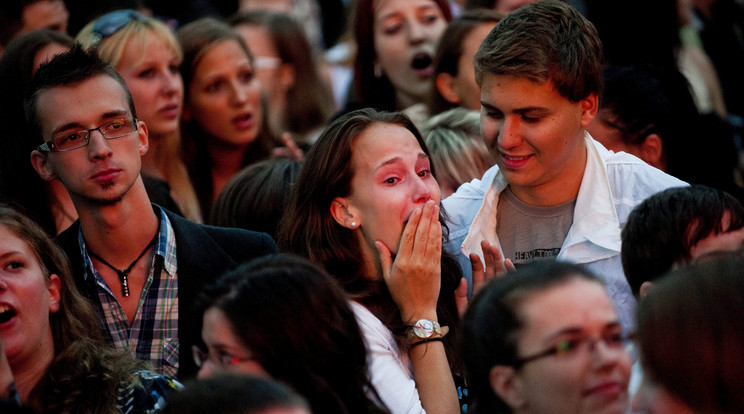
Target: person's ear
column 144, row 143
column 343, row 213
column 40, row 162
column 287, row 76
column 645, row 288
column 589, row 108
column 446, row 87
column 54, row 286
column 652, row 151
column 506, row 386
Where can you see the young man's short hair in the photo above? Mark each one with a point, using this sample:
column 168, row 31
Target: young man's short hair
column 546, row 40
column 662, row 230
column 69, row 68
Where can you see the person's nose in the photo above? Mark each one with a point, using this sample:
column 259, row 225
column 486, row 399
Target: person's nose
column 171, row 82
column 422, row 192
column 416, row 33
column 604, row 355
column 239, row 93
column 510, row 134
column 98, row 146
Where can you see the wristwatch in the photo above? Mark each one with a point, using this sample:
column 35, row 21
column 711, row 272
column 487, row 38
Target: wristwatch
column 425, row 328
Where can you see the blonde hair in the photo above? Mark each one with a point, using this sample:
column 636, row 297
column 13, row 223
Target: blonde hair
column 110, row 49
column 457, row 150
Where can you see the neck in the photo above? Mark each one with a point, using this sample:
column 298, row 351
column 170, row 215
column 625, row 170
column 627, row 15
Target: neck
column 404, row 100
column 151, row 161
column 63, row 209
column 118, row 231
column 29, row 371
column 226, row 162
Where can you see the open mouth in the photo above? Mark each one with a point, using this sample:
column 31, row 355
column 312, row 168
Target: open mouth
column 421, row 61
column 6, row 313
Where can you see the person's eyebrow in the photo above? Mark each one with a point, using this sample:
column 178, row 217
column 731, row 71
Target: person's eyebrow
column 78, row 126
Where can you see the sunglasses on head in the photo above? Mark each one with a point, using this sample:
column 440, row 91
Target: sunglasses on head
column 111, row 23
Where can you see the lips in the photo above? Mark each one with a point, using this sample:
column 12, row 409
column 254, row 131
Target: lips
column 607, row 389
column 243, row 122
column 171, row 110
column 106, row 175
column 514, row 161
column 421, row 63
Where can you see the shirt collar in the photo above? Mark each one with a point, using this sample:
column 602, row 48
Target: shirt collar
column 165, row 246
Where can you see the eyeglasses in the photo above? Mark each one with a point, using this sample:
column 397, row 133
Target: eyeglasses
column 222, row 360
column 615, row 341
column 70, row 140
column 111, row 23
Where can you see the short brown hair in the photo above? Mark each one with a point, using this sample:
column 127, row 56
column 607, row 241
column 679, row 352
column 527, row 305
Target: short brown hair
column 546, row 40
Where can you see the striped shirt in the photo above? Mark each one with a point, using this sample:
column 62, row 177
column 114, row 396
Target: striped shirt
column 153, row 334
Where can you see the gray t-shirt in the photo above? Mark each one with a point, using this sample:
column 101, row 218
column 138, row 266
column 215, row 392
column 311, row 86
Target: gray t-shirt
column 529, row 233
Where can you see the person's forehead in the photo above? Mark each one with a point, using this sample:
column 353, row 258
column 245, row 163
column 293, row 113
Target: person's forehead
column 89, row 98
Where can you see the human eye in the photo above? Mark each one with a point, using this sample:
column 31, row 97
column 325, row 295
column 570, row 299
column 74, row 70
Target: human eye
column 214, row 86
column 531, row 119
column 246, row 76
column 567, row 346
column 68, row 138
column 115, row 126
column 391, row 180
column 615, row 339
column 493, row 113
column 423, row 173
column 392, row 25
column 430, row 18
column 226, row 359
column 146, row 73
column 14, row 265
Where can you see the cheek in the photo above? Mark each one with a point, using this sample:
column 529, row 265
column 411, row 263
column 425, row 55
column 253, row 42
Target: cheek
column 252, row 368
column 390, row 54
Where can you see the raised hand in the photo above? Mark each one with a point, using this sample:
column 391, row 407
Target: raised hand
column 290, row 149
column 496, row 266
column 413, row 278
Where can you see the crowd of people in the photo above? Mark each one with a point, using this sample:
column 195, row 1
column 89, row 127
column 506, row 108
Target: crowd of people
column 456, row 207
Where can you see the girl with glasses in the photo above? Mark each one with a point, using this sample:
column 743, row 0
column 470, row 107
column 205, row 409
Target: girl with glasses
column 545, row 339
column 284, row 318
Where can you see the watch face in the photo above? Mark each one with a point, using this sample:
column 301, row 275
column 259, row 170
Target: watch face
column 423, row 328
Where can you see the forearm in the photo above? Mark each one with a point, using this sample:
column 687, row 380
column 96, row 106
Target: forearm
column 433, row 378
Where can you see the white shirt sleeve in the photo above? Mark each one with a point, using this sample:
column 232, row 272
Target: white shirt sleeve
column 390, row 371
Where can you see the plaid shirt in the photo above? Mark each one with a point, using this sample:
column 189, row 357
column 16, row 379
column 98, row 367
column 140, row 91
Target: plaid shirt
column 153, row 334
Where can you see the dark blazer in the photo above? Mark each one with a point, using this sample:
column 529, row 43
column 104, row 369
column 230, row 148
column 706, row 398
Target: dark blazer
column 203, row 253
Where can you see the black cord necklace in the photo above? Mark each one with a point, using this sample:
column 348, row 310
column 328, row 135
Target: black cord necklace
column 123, row 274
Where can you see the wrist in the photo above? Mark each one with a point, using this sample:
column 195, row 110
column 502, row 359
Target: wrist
column 425, row 329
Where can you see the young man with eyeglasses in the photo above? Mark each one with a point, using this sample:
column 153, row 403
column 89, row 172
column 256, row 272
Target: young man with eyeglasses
column 555, row 192
column 140, row 265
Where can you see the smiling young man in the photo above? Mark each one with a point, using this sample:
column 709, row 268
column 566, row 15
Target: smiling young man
column 140, row 265
column 555, row 192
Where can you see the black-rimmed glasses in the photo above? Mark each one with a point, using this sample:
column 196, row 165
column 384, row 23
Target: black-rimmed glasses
column 70, row 140
column 223, row 360
column 614, row 341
